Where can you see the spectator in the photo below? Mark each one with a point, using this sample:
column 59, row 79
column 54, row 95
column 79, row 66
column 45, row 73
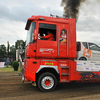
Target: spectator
column 11, row 61
column 7, row 62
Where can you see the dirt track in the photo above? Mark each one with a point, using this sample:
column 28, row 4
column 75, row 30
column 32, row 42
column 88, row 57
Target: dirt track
column 11, row 88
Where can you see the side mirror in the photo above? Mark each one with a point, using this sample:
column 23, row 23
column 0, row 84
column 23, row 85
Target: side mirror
column 34, row 35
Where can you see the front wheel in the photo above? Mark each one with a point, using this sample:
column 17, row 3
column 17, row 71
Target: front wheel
column 83, row 58
column 47, row 82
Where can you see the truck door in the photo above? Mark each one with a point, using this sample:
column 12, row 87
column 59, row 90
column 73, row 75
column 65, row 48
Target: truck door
column 63, row 40
column 46, row 48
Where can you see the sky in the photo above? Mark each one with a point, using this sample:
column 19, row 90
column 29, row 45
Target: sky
column 14, row 15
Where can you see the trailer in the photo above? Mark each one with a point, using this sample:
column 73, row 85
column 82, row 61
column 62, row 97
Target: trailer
column 50, row 59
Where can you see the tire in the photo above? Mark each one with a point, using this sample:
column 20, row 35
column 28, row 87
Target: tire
column 23, row 78
column 47, row 82
column 83, row 58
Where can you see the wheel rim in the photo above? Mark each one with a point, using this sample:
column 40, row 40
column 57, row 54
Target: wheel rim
column 47, row 82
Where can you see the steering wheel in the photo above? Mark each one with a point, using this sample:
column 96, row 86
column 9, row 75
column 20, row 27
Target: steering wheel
column 41, row 38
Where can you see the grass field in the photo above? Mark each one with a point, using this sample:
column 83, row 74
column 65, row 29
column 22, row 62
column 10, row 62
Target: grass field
column 9, row 69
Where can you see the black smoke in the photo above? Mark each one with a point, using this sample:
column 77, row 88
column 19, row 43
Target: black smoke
column 71, row 8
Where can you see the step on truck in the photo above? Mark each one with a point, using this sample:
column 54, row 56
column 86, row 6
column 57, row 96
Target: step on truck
column 52, row 60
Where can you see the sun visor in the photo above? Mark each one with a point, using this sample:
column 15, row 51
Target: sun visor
column 28, row 24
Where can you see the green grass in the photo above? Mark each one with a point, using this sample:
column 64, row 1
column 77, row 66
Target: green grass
column 8, row 70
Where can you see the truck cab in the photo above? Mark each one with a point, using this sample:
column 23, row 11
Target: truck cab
column 48, row 61
column 62, row 46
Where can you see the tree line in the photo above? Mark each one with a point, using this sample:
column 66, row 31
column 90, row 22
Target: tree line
column 10, row 51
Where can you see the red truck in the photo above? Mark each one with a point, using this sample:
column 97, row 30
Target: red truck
column 50, row 61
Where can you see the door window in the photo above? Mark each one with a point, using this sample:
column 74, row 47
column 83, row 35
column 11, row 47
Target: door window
column 93, row 46
column 85, row 44
column 47, row 32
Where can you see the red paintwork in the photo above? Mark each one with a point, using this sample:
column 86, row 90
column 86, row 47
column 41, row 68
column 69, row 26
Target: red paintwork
column 29, row 50
column 46, row 52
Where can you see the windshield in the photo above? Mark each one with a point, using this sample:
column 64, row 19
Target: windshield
column 30, row 33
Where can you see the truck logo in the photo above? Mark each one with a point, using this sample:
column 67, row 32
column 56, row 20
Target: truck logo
column 79, row 64
column 46, row 50
column 87, row 68
column 87, row 53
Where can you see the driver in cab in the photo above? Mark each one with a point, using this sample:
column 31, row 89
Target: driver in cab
column 49, row 37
